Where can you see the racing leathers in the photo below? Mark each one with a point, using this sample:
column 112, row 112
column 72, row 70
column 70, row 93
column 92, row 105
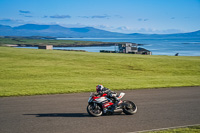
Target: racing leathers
column 110, row 94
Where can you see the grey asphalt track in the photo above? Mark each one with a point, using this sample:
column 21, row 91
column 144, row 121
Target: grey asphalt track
column 157, row 108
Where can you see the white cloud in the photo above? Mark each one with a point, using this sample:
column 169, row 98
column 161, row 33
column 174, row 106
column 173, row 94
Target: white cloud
column 105, row 16
column 156, row 31
column 143, row 19
column 127, row 29
column 60, row 16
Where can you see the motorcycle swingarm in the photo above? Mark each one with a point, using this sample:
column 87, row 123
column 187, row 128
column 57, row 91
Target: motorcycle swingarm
column 123, row 105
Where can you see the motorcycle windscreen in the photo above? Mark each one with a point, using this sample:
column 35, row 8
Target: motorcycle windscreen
column 121, row 95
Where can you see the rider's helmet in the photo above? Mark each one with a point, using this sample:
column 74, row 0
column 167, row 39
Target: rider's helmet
column 99, row 88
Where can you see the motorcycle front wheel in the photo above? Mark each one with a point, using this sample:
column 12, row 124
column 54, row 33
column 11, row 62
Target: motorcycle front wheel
column 94, row 110
column 130, row 108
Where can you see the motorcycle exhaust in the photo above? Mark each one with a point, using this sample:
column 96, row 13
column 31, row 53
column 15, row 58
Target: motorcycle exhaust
column 118, row 110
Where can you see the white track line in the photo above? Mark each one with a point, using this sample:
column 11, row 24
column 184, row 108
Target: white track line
column 164, row 128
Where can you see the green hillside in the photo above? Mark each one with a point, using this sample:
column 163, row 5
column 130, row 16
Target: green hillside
column 31, row 41
column 33, row 72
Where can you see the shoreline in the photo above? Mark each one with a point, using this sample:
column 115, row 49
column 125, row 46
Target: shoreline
column 70, row 45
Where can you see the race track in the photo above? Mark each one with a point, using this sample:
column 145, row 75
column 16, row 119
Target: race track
column 157, row 108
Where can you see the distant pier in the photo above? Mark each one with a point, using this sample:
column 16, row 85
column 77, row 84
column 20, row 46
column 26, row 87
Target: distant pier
column 129, row 48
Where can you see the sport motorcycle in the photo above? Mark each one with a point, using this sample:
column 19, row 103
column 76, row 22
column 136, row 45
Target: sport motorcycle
column 102, row 105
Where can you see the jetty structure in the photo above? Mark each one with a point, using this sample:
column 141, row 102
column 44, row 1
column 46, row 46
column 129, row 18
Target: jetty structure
column 129, row 48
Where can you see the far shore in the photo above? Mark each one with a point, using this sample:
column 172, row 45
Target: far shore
column 70, row 45
column 35, row 42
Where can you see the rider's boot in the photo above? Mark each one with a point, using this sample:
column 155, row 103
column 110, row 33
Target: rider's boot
column 105, row 110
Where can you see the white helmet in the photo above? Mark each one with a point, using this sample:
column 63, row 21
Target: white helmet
column 99, row 88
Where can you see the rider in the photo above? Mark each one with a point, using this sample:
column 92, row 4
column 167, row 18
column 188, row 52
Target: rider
column 110, row 94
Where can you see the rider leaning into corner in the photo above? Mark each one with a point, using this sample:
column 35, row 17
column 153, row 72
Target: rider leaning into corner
column 110, row 94
column 108, row 103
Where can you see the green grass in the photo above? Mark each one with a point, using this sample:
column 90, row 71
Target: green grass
column 34, row 72
column 25, row 41
column 190, row 129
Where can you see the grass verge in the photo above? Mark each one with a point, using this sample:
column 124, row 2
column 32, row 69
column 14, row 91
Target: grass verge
column 190, row 129
column 35, row 72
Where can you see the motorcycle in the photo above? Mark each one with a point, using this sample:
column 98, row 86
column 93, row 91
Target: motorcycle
column 102, row 105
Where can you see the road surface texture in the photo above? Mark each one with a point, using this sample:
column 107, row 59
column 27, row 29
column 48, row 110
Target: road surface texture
column 157, row 108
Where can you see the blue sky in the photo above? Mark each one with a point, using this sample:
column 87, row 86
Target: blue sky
column 125, row 16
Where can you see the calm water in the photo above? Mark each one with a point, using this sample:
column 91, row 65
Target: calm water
column 185, row 47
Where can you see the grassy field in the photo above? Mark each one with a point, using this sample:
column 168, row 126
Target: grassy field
column 34, row 72
column 28, row 41
column 190, row 129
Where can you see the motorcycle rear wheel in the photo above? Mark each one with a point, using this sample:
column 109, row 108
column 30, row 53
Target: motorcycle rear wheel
column 94, row 111
column 130, row 108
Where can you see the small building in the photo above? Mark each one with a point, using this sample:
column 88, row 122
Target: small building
column 132, row 48
column 48, row 47
column 128, row 48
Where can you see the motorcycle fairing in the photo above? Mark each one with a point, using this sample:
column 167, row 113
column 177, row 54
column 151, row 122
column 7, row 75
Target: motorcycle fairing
column 107, row 104
column 100, row 99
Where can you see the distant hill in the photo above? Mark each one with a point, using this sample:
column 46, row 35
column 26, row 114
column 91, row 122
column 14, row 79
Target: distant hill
column 195, row 34
column 55, row 31
column 60, row 31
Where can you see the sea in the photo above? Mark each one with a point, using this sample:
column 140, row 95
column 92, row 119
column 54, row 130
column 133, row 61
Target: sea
column 182, row 46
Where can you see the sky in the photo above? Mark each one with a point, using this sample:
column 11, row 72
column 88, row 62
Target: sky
column 124, row 16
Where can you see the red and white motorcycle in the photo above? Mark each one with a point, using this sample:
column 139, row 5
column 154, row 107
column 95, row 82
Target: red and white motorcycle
column 99, row 105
